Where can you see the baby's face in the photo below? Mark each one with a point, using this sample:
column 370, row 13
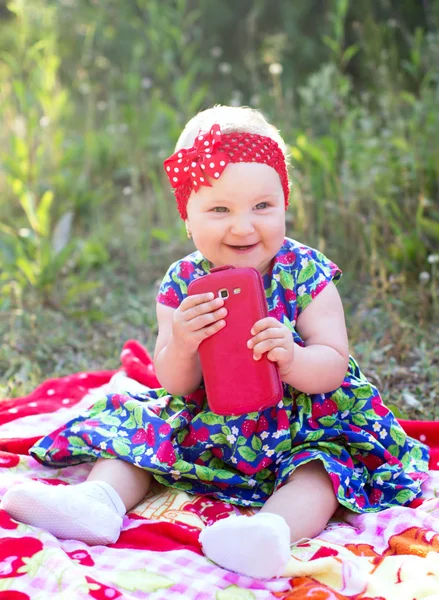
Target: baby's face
column 240, row 220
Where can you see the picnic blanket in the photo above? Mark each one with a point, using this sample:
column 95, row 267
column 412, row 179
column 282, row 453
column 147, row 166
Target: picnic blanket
column 390, row 555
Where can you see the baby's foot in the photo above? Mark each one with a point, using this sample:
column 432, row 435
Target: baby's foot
column 90, row 512
column 257, row 546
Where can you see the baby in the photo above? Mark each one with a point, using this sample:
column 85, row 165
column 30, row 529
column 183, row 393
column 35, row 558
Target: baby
column 329, row 443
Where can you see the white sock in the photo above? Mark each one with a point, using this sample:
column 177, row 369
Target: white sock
column 102, row 491
column 257, row 546
column 90, row 512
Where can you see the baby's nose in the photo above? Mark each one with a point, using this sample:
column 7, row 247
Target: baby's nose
column 242, row 226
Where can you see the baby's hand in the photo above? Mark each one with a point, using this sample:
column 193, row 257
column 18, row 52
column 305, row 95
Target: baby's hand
column 197, row 318
column 271, row 336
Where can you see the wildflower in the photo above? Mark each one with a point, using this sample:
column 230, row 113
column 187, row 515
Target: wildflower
column 216, row 52
column 275, row 69
column 225, row 68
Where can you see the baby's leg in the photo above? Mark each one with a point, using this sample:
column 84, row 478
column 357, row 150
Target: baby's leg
column 91, row 511
column 306, row 502
column 259, row 546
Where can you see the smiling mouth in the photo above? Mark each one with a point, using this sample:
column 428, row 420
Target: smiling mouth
column 248, row 247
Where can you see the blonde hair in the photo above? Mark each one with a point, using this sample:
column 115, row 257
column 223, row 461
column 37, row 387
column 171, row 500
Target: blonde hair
column 231, row 119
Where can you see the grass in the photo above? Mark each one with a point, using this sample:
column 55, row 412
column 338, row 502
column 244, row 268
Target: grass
column 396, row 347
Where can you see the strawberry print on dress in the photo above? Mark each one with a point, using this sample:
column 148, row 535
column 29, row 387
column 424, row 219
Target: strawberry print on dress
column 371, row 461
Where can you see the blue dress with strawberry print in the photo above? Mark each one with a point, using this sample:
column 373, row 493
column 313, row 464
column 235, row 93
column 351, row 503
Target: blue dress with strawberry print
column 243, row 459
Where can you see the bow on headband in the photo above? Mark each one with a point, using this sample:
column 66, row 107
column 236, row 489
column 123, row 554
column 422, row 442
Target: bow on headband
column 189, row 168
column 199, row 162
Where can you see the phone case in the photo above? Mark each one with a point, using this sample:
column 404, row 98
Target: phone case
column 236, row 383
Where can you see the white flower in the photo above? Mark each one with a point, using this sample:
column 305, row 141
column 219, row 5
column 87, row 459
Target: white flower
column 264, row 435
column 225, row 68
column 246, row 502
column 123, row 433
column 123, row 413
column 216, row 51
column 301, row 290
column 304, row 262
column 234, row 460
column 149, row 452
column 208, row 446
column 231, row 438
column 176, row 474
column 75, row 429
column 252, row 482
column 383, row 434
column 275, row 69
column 256, row 496
column 102, row 445
column 347, row 481
column 379, row 480
column 235, row 431
column 433, row 258
column 266, row 448
column 137, row 460
column 269, row 452
column 376, row 426
column 344, row 414
column 280, row 433
column 280, row 404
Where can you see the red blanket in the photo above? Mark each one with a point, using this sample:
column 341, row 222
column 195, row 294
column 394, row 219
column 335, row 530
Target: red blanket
column 347, row 561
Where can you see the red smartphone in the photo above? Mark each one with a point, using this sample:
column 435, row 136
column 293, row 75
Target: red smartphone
column 236, row 383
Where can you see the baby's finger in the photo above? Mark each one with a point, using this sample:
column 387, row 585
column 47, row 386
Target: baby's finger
column 263, row 347
column 271, row 333
column 211, row 329
column 196, row 299
column 278, row 354
column 207, row 319
column 265, row 324
column 203, row 308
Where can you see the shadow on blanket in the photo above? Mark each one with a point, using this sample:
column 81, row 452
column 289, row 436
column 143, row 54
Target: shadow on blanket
column 393, row 554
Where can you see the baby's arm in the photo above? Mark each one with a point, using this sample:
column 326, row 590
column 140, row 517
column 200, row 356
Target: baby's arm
column 176, row 361
column 320, row 366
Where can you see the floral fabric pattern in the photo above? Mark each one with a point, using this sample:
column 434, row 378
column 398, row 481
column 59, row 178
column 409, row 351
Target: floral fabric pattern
column 243, row 459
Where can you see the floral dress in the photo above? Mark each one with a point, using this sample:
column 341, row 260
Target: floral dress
column 243, row 459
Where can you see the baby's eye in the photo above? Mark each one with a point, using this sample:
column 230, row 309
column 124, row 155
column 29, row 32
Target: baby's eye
column 220, row 209
column 262, row 205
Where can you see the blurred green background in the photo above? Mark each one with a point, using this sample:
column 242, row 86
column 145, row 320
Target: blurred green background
column 93, row 95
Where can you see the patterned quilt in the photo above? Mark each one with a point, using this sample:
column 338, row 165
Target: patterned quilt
column 390, row 555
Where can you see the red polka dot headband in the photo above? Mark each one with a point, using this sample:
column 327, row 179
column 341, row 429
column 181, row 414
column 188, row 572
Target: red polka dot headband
column 189, row 168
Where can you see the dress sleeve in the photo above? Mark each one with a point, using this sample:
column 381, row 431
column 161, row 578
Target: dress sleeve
column 313, row 274
column 170, row 292
column 173, row 289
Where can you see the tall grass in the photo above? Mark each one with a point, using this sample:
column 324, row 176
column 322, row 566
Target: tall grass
column 91, row 103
